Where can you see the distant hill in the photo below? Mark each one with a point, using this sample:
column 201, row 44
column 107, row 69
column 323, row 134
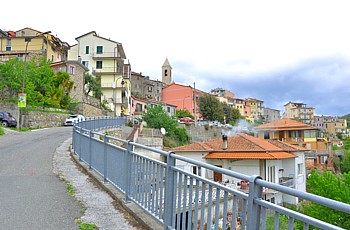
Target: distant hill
column 347, row 117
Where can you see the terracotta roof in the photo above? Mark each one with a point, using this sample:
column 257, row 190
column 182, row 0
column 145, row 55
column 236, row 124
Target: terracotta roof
column 250, row 155
column 285, row 124
column 285, row 146
column 240, row 146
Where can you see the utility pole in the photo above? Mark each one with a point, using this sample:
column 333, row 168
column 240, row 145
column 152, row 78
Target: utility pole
column 194, row 101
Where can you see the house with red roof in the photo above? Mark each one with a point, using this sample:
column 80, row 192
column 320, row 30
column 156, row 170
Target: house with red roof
column 273, row 160
column 300, row 134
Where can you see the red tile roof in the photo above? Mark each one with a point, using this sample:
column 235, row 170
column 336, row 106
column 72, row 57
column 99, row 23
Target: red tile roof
column 285, row 124
column 240, row 146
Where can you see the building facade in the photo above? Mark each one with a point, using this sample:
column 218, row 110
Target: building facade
column 256, row 108
column 15, row 44
column 271, row 115
column 183, row 97
column 146, row 88
column 299, row 111
column 106, row 61
column 222, row 92
column 76, row 71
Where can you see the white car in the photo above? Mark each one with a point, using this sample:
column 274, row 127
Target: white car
column 73, row 119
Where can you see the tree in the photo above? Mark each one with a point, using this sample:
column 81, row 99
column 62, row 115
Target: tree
column 211, row 108
column 92, row 86
column 183, row 113
column 231, row 114
column 336, row 187
column 157, row 118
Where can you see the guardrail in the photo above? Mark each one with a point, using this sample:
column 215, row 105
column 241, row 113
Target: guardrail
column 179, row 199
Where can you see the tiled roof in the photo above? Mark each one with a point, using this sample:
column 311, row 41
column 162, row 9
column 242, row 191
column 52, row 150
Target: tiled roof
column 287, row 147
column 240, row 146
column 285, row 124
column 250, row 155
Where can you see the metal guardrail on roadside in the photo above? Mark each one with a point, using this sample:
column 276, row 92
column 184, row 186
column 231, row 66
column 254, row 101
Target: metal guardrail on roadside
column 179, row 199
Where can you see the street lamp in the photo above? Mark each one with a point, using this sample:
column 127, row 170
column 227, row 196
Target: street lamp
column 27, row 40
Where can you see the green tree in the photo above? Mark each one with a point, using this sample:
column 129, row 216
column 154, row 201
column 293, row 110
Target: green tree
column 231, row 114
column 211, row 108
column 157, row 118
column 11, row 75
column 183, row 113
column 336, row 187
column 93, row 86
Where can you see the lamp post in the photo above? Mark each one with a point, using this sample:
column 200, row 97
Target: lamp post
column 21, row 97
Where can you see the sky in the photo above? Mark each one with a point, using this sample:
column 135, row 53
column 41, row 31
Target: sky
column 275, row 51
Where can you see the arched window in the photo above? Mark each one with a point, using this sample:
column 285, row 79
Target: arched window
column 166, row 72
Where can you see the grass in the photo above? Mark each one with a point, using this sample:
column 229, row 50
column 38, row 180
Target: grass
column 2, row 132
column 70, row 192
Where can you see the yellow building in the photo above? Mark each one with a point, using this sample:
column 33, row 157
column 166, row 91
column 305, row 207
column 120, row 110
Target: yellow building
column 256, row 108
column 237, row 103
column 297, row 110
column 33, row 42
column 106, row 60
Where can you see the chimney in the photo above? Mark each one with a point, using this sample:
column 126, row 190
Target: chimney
column 224, row 144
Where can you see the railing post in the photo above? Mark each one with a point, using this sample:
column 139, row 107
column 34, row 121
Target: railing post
column 255, row 192
column 105, row 139
column 80, row 137
column 128, row 171
column 90, row 149
column 169, row 195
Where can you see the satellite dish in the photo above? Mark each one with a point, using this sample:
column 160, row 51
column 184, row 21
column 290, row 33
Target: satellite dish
column 162, row 130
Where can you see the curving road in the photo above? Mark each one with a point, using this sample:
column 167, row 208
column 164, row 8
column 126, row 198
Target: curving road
column 31, row 195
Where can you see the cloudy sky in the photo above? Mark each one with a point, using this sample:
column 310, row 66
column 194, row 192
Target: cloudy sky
column 275, row 51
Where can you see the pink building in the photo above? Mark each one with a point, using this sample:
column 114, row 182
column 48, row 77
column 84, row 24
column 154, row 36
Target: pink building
column 182, row 96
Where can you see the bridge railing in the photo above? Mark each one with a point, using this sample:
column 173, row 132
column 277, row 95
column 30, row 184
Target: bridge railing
column 182, row 200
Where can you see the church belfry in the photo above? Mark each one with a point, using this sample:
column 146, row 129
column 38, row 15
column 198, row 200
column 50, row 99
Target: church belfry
column 166, row 72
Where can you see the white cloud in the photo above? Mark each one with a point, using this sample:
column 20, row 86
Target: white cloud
column 216, row 44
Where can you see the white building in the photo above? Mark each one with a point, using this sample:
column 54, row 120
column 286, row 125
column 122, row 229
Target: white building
column 107, row 61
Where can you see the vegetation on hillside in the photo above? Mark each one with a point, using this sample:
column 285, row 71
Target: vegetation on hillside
column 42, row 86
column 157, row 118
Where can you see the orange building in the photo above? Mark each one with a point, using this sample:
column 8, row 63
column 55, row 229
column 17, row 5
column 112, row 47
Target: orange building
column 183, row 97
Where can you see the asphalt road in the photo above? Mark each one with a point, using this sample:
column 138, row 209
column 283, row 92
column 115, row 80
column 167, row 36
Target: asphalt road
column 31, row 195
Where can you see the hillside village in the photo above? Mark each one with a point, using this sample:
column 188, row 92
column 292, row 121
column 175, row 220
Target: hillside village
column 284, row 149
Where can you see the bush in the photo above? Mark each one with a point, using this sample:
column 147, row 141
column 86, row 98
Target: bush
column 206, row 126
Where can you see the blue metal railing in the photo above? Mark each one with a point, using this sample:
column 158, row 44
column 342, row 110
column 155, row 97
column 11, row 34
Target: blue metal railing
column 179, row 199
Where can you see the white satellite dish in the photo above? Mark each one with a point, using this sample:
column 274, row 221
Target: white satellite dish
column 162, row 130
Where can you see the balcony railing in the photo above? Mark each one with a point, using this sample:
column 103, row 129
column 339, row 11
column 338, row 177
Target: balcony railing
column 286, row 181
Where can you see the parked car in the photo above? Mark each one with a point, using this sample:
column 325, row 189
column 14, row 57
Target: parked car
column 186, row 120
column 73, row 119
column 7, row 120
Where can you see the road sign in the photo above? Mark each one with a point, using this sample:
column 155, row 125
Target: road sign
column 22, row 100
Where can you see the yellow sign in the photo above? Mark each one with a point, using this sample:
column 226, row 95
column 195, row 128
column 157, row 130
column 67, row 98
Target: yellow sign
column 22, row 100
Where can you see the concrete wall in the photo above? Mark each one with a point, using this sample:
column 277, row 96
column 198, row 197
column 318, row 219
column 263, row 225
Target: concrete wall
column 10, row 108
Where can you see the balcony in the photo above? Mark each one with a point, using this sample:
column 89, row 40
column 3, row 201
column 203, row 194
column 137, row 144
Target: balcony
column 107, row 71
column 118, row 100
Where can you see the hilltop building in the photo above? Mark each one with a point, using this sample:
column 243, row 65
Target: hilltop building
column 299, row 111
column 33, row 42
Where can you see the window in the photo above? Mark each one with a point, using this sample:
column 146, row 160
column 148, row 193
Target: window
column 149, row 88
column 267, row 135
column 71, row 70
column 196, row 170
column 300, row 169
column 271, row 174
column 8, row 45
column 98, row 64
column 166, row 72
column 99, row 49
column 87, row 49
column 85, row 63
column 168, row 109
